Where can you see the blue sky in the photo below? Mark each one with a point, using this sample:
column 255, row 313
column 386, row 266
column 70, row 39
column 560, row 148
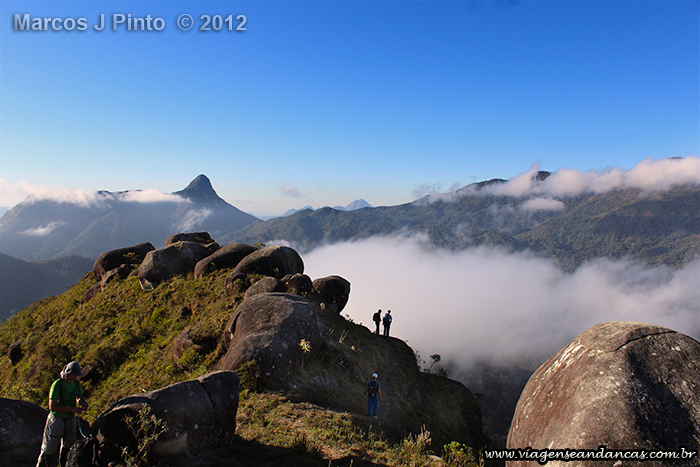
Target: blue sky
column 324, row 102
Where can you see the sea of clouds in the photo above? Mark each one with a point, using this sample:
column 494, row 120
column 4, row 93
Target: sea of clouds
column 484, row 304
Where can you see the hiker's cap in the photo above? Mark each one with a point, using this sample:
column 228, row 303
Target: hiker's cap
column 72, row 367
column 375, row 375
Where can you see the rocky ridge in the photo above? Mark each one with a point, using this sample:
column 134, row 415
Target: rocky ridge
column 264, row 331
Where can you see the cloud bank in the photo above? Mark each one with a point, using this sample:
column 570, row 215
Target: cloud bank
column 25, row 192
column 485, row 304
column 662, row 174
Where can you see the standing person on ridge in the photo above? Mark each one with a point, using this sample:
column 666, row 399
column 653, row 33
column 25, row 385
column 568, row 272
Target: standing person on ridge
column 387, row 323
column 62, row 424
column 374, row 395
column 377, row 318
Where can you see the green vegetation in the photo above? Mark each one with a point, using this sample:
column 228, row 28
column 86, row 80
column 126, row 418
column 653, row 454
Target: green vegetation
column 656, row 228
column 23, row 283
column 124, row 338
column 146, row 428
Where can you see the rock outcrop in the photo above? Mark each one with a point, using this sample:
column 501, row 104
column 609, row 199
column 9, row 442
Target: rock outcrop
column 21, row 425
column 226, row 257
column 173, row 260
column 332, row 292
column 264, row 285
column 198, row 413
column 299, row 284
column 623, row 385
column 268, row 328
column 275, row 261
column 113, row 259
column 203, row 238
column 14, row 352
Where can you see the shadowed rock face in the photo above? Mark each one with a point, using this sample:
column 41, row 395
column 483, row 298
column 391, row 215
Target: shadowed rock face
column 203, row 238
column 275, row 261
column 623, row 385
column 268, row 327
column 332, row 291
column 14, row 352
column 299, row 284
column 226, row 257
column 21, row 425
column 266, row 284
column 115, row 258
column 198, row 414
column 173, row 260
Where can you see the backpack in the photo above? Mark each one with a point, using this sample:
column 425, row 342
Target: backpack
column 387, row 319
column 373, row 388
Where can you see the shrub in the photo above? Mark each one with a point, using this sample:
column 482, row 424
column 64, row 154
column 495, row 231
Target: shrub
column 146, row 428
column 458, row 455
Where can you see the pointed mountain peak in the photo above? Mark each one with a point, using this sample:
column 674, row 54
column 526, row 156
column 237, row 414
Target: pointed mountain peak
column 200, row 190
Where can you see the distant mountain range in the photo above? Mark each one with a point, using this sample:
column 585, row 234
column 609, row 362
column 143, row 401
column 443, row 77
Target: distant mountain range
column 23, row 283
column 42, row 229
column 660, row 227
column 354, row 206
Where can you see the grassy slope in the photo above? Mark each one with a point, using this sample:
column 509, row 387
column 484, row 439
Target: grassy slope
column 124, row 339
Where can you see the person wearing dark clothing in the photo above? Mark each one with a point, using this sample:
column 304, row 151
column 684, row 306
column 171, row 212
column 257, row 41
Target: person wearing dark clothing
column 377, row 318
column 387, row 323
column 374, row 395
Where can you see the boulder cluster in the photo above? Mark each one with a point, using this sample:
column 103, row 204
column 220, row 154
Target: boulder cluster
column 278, row 310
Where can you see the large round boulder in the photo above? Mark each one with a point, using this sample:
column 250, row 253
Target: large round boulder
column 265, row 285
column 224, row 258
column 109, row 260
column 197, row 414
column 268, row 328
column 203, row 238
column 299, row 284
column 622, row 385
column 21, row 425
column 332, row 292
column 275, row 261
column 166, row 263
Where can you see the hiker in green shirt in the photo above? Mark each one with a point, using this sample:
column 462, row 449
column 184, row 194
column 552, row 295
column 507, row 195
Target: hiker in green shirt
column 62, row 424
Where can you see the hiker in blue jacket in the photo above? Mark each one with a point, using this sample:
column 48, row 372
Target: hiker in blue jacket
column 387, row 323
column 374, row 395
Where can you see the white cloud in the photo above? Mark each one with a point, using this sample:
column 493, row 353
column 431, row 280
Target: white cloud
column 23, row 191
column 192, row 219
column 43, row 231
column 487, row 304
column 149, row 196
column 650, row 174
column 543, row 204
column 292, row 192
